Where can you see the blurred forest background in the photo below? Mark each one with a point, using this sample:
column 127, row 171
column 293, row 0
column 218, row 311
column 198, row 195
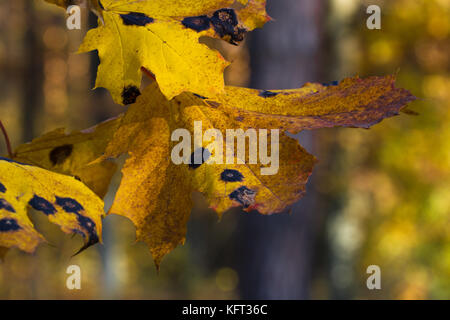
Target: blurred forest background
column 377, row 197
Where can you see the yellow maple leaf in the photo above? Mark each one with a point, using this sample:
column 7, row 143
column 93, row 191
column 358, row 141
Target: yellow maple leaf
column 354, row 102
column 163, row 37
column 72, row 153
column 155, row 193
column 64, row 200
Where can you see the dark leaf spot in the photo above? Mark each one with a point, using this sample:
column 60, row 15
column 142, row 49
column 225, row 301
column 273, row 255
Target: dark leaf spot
column 8, row 224
column 230, row 175
column 200, row 23
column 87, row 224
column 6, row 205
column 2, row 188
column 225, row 24
column 81, row 233
column 244, row 196
column 43, row 205
column 268, row 94
column 101, row 5
column 199, row 96
column 204, row 155
column 332, row 83
column 69, row 205
column 130, row 94
column 59, row 154
column 136, row 19
column 225, row 20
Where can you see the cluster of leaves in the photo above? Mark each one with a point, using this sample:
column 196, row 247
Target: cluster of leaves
column 162, row 37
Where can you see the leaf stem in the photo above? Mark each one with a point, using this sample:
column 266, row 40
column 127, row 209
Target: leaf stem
column 8, row 143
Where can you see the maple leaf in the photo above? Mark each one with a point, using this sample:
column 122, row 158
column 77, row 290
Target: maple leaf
column 155, row 193
column 354, row 102
column 163, row 37
column 64, row 200
column 71, row 154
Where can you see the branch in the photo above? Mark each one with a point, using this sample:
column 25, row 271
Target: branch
column 8, row 143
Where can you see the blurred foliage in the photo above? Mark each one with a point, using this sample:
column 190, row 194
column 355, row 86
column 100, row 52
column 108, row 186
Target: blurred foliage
column 396, row 177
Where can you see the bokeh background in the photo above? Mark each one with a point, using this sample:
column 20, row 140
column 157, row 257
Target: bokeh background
column 377, row 197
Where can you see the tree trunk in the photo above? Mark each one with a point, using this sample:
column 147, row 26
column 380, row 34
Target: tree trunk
column 275, row 252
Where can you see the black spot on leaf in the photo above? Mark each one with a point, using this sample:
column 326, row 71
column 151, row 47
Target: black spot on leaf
column 230, row 175
column 101, row 5
column 268, row 94
column 69, row 205
column 332, row 83
column 200, row 23
column 2, row 188
column 136, row 19
column 6, row 206
column 86, row 223
column 43, row 205
column 81, row 233
column 59, row 154
column 225, row 24
column 130, row 94
column 89, row 226
column 225, row 20
column 8, row 224
column 244, row 196
column 205, row 155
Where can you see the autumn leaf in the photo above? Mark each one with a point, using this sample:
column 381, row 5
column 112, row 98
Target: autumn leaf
column 188, row 102
column 163, row 37
column 155, row 193
column 354, row 102
column 66, row 202
column 71, row 154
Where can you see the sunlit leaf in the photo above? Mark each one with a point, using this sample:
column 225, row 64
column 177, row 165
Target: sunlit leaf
column 72, row 153
column 64, row 200
column 155, row 193
column 163, row 36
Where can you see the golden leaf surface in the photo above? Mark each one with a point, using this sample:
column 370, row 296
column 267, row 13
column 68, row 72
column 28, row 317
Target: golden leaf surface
column 72, row 154
column 66, row 202
column 155, row 192
column 163, row 37
column 354, row 102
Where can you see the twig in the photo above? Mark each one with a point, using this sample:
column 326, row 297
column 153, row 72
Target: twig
column 8, row 143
